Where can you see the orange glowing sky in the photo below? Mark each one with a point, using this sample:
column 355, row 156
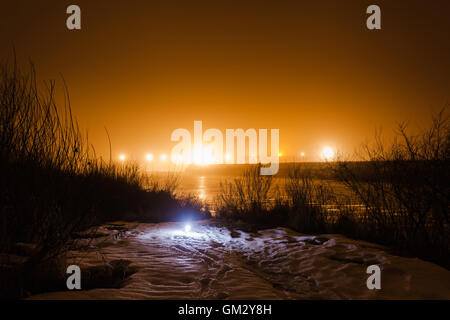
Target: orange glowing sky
column 309, row 68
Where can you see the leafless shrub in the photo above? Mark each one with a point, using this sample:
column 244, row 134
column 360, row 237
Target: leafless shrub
column 247, row 193
column 307, row 200
column 405, row 188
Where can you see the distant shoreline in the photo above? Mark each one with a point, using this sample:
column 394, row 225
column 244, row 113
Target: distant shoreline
column 321, row 169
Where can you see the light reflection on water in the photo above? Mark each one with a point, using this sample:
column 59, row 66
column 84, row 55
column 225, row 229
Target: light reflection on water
column 201, row 188
column 205, row 187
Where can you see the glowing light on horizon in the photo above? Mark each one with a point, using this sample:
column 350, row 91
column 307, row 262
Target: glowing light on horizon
column 302, row 154
column 149, row 157
column 163, row 157
column 203, row 156
column 327, row 153
column 280, row 154
column 122, row 157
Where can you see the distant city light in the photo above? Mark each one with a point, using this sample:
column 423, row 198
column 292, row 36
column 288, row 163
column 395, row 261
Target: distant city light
column 302, row 154
column 327, row 153
column 203, row 155
column 163, row 157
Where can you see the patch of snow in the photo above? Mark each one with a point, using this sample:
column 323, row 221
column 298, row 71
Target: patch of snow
column 209, row 263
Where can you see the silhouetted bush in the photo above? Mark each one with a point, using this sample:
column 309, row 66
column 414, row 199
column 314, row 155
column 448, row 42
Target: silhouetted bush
column 299, row 203
column 404, row 188
column 53, row 185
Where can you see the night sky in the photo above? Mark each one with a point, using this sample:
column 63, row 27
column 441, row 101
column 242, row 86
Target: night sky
column 309, row 68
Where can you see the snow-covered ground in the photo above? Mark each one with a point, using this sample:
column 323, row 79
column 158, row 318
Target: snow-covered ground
column 213, row 262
